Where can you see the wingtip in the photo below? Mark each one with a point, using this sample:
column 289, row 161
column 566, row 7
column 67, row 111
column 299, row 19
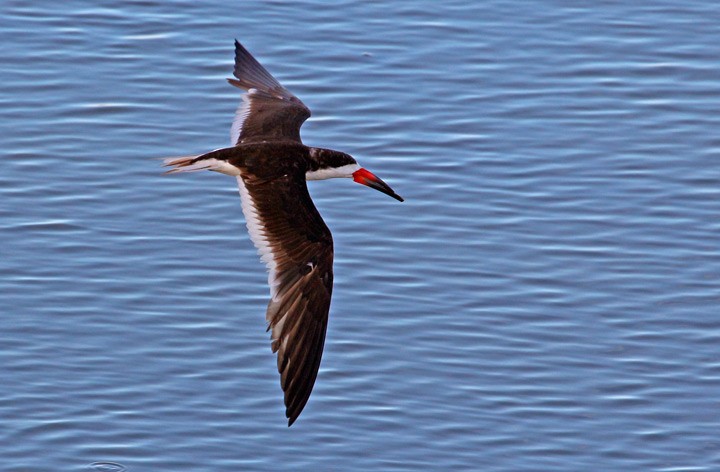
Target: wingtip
column 250, row 73
column 292, row 412
column 241, row 50
column 291, row 418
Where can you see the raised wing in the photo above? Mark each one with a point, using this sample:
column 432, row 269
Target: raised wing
column 268, row 111
column 297, row 248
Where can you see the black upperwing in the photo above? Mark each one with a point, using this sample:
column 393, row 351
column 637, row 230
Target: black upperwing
column 297, row 248
column 268, row 111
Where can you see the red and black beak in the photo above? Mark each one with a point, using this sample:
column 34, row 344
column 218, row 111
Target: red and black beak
column 365, row 177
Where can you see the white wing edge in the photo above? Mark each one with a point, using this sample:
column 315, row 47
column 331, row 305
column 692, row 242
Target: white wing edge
column 256, row 229
column 241, row 114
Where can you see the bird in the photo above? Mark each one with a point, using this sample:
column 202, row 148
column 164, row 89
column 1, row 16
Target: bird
column 272, row 166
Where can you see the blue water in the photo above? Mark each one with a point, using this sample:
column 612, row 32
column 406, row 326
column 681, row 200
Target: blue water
column 545, row 299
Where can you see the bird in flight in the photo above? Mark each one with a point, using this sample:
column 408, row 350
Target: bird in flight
column 272, row 165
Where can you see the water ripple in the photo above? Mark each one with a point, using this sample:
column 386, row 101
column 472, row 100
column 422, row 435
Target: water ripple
column 545, row 299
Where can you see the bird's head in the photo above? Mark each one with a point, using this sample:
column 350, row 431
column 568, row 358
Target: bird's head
column 329, row 164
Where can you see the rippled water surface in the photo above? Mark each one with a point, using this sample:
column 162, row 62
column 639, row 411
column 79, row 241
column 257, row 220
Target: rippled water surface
column 545, row 299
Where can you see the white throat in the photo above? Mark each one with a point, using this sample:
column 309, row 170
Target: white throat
column 332, row 172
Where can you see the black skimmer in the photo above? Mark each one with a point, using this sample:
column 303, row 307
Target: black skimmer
column 271, row 165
